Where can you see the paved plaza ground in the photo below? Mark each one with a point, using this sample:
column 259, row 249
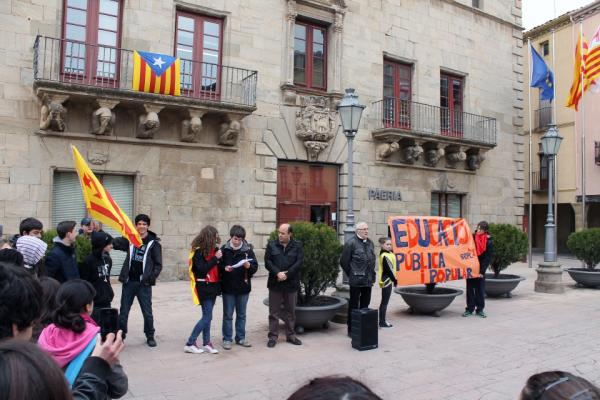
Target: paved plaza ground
column 421, row 357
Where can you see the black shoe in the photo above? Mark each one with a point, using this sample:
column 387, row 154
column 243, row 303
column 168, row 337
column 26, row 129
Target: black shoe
column 294, row 341
column 151, row 342
column 385, row 324
column 271, row 343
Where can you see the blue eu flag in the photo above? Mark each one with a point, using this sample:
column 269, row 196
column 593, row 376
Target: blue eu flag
column 541, row 76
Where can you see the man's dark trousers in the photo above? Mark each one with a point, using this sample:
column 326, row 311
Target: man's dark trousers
column 287, row 313
column 475, row 294
column 360, row 297
column 143, row 293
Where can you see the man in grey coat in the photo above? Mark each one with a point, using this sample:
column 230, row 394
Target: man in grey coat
column 358, row 262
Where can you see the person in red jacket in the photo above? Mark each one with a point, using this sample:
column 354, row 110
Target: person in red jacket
column 206, row 286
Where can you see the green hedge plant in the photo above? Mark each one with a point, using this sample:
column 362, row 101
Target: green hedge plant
column 83, row 245
column 585, row 245
column 510, row 245
column 322, row 251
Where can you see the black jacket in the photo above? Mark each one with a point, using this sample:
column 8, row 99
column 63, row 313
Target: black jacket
column 152, row 259
column 485, row 258
column 238, row 280
column 61, row 262
column 96, row 269
column 287, row 259
column 200, row 268
column 358, row 261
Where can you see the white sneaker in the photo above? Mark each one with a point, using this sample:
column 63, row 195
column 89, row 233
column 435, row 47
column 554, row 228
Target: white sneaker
column 210, row 349
column 194, row 349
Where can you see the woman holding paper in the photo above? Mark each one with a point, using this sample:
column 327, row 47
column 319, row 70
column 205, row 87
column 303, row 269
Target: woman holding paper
column 240, row 265
column 206, row 286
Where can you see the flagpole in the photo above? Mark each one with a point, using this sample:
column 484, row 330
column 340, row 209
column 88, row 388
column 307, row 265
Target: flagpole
column 554, row 121
column 530, row 216
column 583, row 216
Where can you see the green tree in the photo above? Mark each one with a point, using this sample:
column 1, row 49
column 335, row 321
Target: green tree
column 510, row 245
column 585, row 245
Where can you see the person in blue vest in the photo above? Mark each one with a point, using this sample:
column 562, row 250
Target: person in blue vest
column 387, row 278
column 140, row 270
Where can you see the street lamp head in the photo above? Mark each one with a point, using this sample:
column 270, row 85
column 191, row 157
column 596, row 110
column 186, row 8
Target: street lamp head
column 551, row 141
column 350, row 112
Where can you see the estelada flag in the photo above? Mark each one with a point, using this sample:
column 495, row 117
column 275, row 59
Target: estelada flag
column 432, row 249
column 156, row 73
column 100, row 204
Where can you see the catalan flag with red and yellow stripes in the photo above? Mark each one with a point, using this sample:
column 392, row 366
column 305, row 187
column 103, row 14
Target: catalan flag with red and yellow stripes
column 592, row 64
column 100, row 204
column 576, row 92
column 156, row 73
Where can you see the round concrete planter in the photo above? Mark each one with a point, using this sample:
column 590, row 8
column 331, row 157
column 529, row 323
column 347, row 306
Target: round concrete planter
column 420, row 301
column 501, row 285
column 585, row 277
column 315, row 317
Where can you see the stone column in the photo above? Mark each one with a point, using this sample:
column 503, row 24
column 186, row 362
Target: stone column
column 288, row 54
column 336, row 47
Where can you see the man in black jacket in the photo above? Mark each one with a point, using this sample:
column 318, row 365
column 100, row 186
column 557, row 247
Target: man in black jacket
column 140, row 270
column 358, row 262
column 96, row 269
column 283, row 260
column 61, row 262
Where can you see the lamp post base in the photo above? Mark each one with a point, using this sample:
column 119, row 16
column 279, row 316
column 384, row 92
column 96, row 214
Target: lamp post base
column 549, row 278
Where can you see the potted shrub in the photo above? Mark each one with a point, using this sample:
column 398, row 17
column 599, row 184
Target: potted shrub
column 322, row 251
column 585, row 245
column 428, row 299
column 510, row 245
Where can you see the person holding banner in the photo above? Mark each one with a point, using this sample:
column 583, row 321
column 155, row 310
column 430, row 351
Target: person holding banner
column 476, row 286
column 386, row 263
column 358, row 262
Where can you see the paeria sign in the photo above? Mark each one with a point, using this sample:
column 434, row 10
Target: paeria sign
column 382, row 194
column 432, row 249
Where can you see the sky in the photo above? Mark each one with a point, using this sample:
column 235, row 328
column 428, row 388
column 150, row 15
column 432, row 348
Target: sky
column 536, row 12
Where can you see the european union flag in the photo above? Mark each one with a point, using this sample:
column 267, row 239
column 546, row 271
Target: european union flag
column 541, row 76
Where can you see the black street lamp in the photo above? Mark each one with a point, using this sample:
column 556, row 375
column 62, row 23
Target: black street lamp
column 350, row 111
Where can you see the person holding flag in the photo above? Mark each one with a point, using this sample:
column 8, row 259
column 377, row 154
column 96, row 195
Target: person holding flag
column 144, row 252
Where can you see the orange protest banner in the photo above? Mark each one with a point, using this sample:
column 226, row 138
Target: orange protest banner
column 432, row 249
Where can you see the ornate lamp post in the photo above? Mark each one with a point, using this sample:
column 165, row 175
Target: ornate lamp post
column 549, row 278
column 350, row 112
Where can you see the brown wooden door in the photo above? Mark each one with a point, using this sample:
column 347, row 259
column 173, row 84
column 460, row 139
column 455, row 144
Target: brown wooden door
column 306, row 192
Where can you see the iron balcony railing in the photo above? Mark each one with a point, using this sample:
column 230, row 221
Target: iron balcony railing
column 542, row 118
column 429, row 119
column 66, row 61
column 539, row 180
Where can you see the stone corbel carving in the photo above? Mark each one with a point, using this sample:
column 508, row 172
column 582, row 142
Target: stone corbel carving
column 315, row 125
column 474, row 159
column 411, row 151
column 103, row 118
column 384, row 150
column 53, row 113
column 230, row 132
column 432, row 155
column 191, row 128
column 97, row 157
column 454, row 155
column 148, row 123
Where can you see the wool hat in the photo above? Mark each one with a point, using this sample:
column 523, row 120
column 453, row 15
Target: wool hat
column 32, row 248
column 100, row 240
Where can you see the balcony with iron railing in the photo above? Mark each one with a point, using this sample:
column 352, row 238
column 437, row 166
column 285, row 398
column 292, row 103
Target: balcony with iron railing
column 410, row 129
column 542, row 118
column 539, row 180
column 76, row 67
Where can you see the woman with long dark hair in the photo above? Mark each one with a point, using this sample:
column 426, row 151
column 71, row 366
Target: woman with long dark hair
column 72, row 336
column 206, row 286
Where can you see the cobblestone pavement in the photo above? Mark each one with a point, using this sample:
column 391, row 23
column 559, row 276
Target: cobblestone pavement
column 421, row 357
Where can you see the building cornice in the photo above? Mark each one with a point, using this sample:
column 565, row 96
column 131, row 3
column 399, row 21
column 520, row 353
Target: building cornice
column 484, row 14
column 554, row 24
column 586, row 11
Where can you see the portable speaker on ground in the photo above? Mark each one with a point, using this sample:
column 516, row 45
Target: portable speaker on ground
column 363, row 330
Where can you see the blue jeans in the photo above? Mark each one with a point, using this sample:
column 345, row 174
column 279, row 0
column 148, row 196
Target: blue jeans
column 239, row 302
column 204, row 324
column 130, row 291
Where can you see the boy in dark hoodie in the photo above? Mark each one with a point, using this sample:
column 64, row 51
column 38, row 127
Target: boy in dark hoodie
column 96, row 269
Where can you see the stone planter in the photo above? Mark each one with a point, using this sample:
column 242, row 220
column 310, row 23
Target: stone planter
column 501, row 285
column 315, row 317
column 420, row 301
column 585, row 277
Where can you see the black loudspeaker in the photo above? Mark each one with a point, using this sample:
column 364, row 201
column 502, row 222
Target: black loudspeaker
column 364, row 329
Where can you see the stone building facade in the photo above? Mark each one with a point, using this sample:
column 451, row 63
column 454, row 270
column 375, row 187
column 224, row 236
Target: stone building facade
column 255, row 137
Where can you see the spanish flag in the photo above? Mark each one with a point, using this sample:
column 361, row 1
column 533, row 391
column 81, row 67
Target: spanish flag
column 156, row 73
column 580, row 60
column 100, row 203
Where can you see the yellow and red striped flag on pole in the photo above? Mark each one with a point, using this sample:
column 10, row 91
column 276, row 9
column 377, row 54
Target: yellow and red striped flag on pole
column 100, row 204
column 592, row 63
column 156, row 73
column 580, row 60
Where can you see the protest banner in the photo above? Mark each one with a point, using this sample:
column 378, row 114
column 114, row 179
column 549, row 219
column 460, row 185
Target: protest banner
column 432, row 249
